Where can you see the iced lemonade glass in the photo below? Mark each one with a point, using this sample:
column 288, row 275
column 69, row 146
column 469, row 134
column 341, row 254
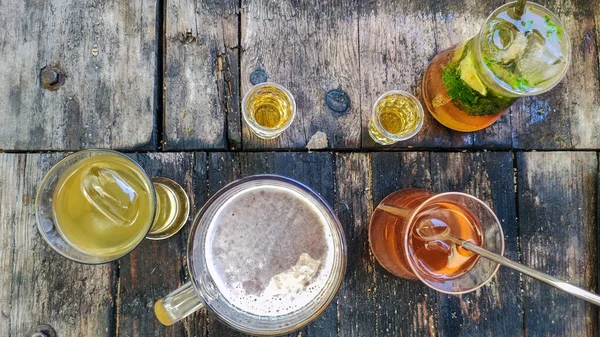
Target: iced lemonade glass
column 469, row 86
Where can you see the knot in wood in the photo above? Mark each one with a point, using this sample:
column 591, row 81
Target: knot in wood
column 337, row 101
column 187, row 37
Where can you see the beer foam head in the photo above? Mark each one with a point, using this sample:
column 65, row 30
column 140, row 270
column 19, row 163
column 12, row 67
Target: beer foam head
column 269, row 250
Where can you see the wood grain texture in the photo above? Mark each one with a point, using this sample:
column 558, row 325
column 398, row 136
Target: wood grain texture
column 154, row 268
column 108, row 52
column 557, row 220
column 39, row 286
column 403, row 307
column 309, row 48
column 202, row 93
column 496, row 308
column 567, row 116
column 353, row 205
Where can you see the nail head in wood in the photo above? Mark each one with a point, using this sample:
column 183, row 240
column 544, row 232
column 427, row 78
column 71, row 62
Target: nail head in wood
column 52, row 78
column 337, row 101
column 42, row 330
column 258, row 76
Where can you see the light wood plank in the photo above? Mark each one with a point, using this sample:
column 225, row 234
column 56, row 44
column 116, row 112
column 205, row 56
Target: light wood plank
column 557, row 220
column 108, row 52
column 567, row 116
column 202, row 94
column 45, row 288
column 310, row 48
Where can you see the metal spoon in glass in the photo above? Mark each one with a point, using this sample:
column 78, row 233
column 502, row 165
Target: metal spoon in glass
column 432, row 229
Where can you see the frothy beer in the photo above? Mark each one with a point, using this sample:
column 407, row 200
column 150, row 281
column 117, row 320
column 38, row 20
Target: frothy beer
column 269, row 250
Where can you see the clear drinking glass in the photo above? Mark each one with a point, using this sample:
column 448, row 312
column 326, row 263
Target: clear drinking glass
column 469, row 86
column 396, row 239
column 396, row 115
column 266, row 255
column 268, row 109
column 95, row 206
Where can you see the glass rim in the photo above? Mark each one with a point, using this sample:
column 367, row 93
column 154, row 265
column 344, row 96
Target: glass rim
column 411, row 223
column 44, row 182
column 410, row 98
column 566, row 37
column 261, row 128
column 337, row 276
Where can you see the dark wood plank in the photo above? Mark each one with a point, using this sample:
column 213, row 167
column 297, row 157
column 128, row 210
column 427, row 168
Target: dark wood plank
column 354, row 206
column 38, row 285
column 557, row 220
column 403, row 307
column 223, row 168
column 314, row 169
column 202, row 96
column 496, row 308
column 310, row 48
column 155, row 268
column 107, row 51
column 567, row 116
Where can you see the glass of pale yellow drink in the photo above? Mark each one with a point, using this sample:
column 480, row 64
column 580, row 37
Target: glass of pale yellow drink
column 95, row 206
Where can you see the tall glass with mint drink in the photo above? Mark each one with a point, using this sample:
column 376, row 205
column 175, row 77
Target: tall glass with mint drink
column 469, row 86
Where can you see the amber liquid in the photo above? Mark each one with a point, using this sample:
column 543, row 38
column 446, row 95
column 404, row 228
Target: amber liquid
column 269, row 107
column 434, row 258
column 397, row 115
column 103, row 205
column 441, row 105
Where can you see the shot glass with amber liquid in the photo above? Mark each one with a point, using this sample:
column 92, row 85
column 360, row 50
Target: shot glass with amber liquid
column 96, row 206
column 396, row 115
column 268, row 109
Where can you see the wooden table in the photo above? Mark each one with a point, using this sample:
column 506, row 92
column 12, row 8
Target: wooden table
column 163, row 82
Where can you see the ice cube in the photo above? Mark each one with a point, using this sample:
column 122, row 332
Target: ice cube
column 503, row 41
column 538, row 64
column 109, row 193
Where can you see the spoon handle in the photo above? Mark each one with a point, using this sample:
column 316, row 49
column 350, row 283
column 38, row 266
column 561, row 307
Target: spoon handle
column 551, row 280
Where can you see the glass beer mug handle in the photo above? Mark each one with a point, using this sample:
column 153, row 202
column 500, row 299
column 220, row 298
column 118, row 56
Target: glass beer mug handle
column 177, row 305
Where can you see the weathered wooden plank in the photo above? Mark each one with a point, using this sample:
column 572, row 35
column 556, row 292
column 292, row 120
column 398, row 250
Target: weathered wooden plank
column 495, row 309
column 567, row 116
column 107, row 51
column 154, row 268
column 223, row 168
column 354, row 206
column 557, row 220
column 39, row 286
column 202, row 96
column 403, row 307
column 314, row 169
column 310, row 48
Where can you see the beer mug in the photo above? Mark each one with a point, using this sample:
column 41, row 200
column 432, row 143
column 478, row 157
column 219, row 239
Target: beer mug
column 266, row 254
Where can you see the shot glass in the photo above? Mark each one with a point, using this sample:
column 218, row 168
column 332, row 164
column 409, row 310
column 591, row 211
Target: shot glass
column 268, row 109
column 396, row 115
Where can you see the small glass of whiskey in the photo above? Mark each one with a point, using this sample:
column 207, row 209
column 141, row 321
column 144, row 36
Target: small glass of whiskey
column 397, row 115
column 268, row 109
